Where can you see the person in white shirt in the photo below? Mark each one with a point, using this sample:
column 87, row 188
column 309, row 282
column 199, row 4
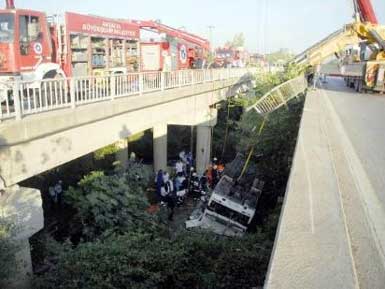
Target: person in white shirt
column 166, row 177
column 179, row 167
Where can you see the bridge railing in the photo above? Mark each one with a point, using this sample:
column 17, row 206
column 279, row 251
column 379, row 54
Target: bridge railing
column 280, row 95
column 47, row 95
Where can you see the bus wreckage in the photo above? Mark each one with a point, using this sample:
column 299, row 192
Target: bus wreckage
column 232, row 205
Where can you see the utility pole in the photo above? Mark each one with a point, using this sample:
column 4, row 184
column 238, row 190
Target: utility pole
column 211, row 54
column 211, row 28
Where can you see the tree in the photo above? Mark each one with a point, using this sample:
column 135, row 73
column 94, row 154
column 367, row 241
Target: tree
column 127, row 248
column 238, row 40
column 139, row 260
column 106, row 204
column 282, row 55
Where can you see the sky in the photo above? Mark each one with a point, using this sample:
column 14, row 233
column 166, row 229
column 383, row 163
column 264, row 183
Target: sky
column 268, row 25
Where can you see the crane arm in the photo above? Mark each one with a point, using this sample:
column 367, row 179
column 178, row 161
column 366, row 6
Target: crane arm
column 332, row 44
column 364, row 9
column 173, row 32
column 365, row 28
column 371, row 33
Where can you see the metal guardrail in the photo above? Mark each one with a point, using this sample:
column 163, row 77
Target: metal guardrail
column 280, row 95
column 47, row 95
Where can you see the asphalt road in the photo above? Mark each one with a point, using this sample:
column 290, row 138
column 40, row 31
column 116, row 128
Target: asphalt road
column 363, row 118
column 332, row 228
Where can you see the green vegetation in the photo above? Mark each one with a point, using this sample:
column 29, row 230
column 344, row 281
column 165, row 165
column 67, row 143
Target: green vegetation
column 271, row 141
column 123, row 246
column 238, row 41
column 8, row 249
column 113, row 242
column 145, row 260
column 109, row 204
column 282, row 55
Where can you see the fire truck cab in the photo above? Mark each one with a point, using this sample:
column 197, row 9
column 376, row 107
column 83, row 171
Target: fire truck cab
column 25, row 47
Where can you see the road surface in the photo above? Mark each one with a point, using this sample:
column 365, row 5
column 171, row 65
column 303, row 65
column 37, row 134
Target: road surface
column 332, row 227
column 363, row 118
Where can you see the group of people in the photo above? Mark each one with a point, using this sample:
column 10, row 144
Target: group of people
column 172, row 191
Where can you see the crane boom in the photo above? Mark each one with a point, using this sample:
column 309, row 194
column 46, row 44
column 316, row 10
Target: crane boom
column 365, row 28
column 364, row 9
column 330, row 45
column 173, row 32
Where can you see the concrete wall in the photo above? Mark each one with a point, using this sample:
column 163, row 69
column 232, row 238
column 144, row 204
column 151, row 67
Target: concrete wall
column 24, row 207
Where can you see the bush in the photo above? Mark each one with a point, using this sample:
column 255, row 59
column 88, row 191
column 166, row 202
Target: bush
column 107, row 204
column 140, row 260
column 8, row 249
column 131, row 249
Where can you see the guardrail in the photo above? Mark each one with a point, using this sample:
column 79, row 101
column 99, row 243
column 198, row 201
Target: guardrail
column 47, row 95
column 280, row 95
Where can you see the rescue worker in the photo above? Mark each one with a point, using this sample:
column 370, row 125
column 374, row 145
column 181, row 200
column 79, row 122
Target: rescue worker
column 180, row 188
column 159, row 184
column 215, row 176
column 170, row 206
column 166, row 177
column 52, row 194
column 209, row 176
column 163, row 194
column 59, row 192
column 204, row 181
column 179, row 181
column 183, row 157
column 179, row 167
column 221, row 168
column 195, row 186
column 169, row 187
column 189, row 159
column 133, row 157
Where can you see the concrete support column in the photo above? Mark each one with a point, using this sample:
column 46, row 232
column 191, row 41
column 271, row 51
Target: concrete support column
column 24, row 207
column 122, row 154
column 160, row 147
column 203, row 148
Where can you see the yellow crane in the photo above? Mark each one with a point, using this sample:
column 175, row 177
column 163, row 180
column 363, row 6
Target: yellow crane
column 359, row 72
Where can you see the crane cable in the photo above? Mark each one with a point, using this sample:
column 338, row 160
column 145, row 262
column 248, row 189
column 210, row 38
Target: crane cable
column 252, row 150
column 226, row 138
column 227, row 130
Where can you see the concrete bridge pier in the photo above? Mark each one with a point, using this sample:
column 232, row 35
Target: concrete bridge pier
column 24, row 207
column 160, row 146
column 203, row 148
column 204, row 143
column 122, row 154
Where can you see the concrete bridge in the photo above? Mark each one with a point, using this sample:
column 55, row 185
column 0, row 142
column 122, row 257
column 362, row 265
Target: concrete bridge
column 57, row 121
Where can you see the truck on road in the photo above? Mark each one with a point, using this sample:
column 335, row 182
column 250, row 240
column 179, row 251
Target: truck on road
column 35, row 47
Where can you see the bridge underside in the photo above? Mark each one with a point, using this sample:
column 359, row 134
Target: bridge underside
column 332, row 228
column 41, row 142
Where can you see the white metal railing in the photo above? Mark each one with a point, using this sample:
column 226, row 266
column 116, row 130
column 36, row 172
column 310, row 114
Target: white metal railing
column 280, row 95
column 47, row 95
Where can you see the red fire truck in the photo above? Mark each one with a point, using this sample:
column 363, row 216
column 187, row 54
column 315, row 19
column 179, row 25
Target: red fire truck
column 35, row 47
column 179, row 49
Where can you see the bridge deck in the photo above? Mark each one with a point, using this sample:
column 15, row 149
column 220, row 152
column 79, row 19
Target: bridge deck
column 332, row 230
